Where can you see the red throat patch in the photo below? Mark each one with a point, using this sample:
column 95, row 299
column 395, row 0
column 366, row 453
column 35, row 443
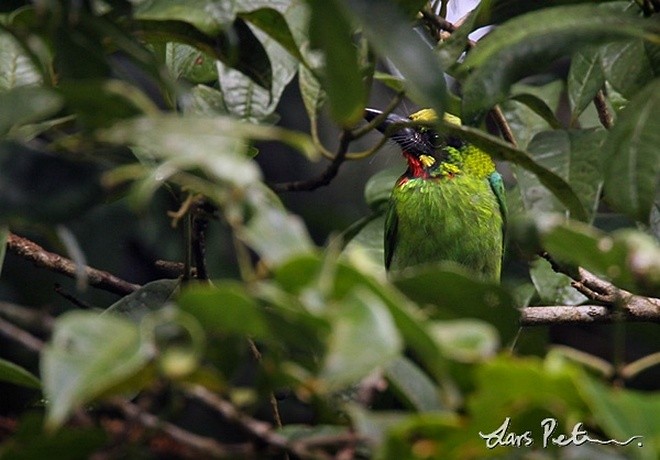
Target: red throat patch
column 416, row 167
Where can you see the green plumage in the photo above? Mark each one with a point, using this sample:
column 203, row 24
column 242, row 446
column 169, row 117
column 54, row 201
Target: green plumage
column 448, row 206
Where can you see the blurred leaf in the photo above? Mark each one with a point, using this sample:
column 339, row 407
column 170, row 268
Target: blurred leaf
column 331, row 31
column 389, row 32
column 313, row 95
column 88, row 354
column 13, row 373
column 498, row 11
column 203, row 101
column 224, row 308
column 502, row 150
column 553, row 288
column 521, row 47
column 352, row 354
column 623, row 413
column 466, row 340
column 211, row 17
column 27, row 104
column 189, row 63
column 419, row 436
column 632, row 157
column 416, row 389
column 627, row 65
column 585, row 78
column 629, row 258
column 150, row 297
column 365, row 248
column 458, row 295
column 574, row 156
column 4, row 236
column 41, row 187
column 392, row 82
column 16, row 68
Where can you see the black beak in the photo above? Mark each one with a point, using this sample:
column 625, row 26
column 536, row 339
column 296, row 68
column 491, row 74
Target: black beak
column 391, row 120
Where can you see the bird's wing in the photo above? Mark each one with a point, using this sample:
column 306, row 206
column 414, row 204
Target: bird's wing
column 497, row 185
column 391, row 227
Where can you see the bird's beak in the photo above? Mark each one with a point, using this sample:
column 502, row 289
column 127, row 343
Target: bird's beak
column 391, row 120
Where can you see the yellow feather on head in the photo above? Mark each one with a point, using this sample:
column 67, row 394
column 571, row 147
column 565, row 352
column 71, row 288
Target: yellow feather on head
column 429, row 115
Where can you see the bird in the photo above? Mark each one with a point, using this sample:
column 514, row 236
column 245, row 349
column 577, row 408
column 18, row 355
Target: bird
column 449, row 204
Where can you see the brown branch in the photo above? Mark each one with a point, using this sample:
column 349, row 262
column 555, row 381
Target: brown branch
column 604, row 114
column 31, row 251
column 20, row 336
column 208, row 447
column 638, row 311
column 326, row 176
column 503, row 125
column 257, row 428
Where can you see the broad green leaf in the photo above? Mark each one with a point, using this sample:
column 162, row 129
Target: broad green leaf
column 27, row 104
column 553, row 288
column 331, row 32
column 42, row 187
column 632, row 157
column 186, row 62
column 412, row 385
column 389, row 32
column 528, row 43
column 379, row 187
column 352, row 354
column 576, row 157
column 274, row 23
column 624, row 414
column 466, row 340
column 16, row 68
column 629, row 258
column 150, row 297
column 87, row 355
column 224, row 308
column 204, row 101
column 501, row 150
column 539, row 107
column 498, row 11
column 209, row 16
column 585, row 78
column 627, row 65
column 365, row 248
column 456, row 294
column 13, row 373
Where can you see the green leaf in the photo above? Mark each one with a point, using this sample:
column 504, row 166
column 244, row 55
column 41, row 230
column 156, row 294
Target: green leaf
column 623, row 413
column 627, row 65
column 87, row 355
column 553, row 288
column 274, row 23
column 389, row 32
column 204, row 101
column 42, row 187
column 379, row 187
column 189, row 63
column 12, row 373
column 224, row 308
column 331, row 32
column 411, row 384
column 539, row 107
column 209, row 16
column 585, row 79
column 458, row 295
column 576, row 157
column 501, row 150
column 150, row 297
column 632, row 157
column 352, row 354
column 16, row 68
column 529, row 43
column 27, row 104
column 498, row 11
column 466, row 340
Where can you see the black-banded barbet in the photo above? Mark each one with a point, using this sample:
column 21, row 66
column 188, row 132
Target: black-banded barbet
column 448, row 205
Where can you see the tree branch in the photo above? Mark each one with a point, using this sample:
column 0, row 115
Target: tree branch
column 326, row 176
column 604, row 114
column 31, row 251
column 641, row 310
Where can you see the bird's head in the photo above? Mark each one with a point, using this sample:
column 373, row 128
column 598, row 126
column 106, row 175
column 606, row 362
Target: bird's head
column 423, row 147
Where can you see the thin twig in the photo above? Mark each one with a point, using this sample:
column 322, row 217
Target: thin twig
column 30, row 318
column 604, row 114
column 257, row 428
column 31, row 251
column 326, row 176
column 71, row 298
column 503, row 125
column 20, row 336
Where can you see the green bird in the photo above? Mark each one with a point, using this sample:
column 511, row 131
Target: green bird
column 449, row 205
